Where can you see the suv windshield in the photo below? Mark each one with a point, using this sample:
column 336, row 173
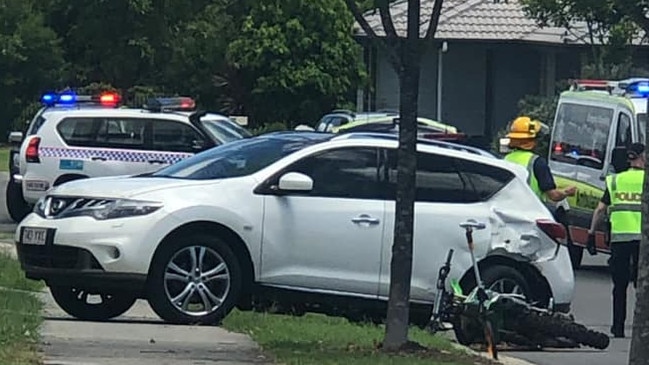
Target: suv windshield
column 239, row 158
column 221, row 131
column 581, row 134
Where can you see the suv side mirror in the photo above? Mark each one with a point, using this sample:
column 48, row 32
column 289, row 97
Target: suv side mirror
column 15, row 137
column 295, row 181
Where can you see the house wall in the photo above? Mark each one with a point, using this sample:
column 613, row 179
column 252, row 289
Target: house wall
column 482, row 83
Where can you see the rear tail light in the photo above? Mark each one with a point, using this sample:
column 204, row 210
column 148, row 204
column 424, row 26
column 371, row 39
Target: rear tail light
column 555, row 230
column 31, row 154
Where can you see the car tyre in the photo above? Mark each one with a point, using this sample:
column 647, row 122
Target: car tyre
column 500, row 278
column 17, row 207
column 74, row 301
column 213, row 282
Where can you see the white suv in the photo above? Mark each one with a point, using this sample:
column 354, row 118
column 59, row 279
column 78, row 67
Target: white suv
column 303, row 218
column 76, row 136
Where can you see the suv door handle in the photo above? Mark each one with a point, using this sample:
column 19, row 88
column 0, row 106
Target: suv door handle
column 156, row 161
column 98, row 158
column 364, row 218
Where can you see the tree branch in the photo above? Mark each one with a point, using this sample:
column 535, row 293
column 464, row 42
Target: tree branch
column 360, row 19
column 434, row 19
column 390, row 49
column 386, row 19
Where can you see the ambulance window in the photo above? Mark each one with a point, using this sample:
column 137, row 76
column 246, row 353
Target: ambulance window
column 642, row 125
column 623, row 135
column 581, row 135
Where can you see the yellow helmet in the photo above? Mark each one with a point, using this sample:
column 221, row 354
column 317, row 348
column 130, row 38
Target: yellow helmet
column 524, row 128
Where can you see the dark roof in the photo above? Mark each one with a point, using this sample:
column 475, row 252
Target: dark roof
column 484, row 20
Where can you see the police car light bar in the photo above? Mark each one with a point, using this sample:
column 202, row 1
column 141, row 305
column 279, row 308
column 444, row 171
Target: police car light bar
column 71, row 98
column 174, row 103
column 638, row 88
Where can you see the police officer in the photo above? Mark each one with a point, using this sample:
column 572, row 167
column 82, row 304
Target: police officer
column 623, row 197
column 523, row 136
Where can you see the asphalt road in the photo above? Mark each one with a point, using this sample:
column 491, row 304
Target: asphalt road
column 6, row 224
column 592, row 307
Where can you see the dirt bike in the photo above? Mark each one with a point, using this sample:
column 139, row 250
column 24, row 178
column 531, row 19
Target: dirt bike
column 503, row 317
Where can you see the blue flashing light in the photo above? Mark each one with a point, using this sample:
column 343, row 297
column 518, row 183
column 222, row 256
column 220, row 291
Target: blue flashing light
column 638, row 88
column 643, row 87
column 48, row 98
column 67, row 98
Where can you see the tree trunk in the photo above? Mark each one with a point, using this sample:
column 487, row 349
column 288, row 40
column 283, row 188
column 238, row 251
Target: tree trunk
column 639, row 354
column 396, row 334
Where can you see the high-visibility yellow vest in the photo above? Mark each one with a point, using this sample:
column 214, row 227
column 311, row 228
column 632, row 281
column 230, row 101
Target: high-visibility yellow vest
column 625, row 210
column 526, row 159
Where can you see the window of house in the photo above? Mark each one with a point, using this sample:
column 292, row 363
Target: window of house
column 581, row 134
column 343, row 173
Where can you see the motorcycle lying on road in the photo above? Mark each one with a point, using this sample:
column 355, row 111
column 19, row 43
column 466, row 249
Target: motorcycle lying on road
column 504, row 318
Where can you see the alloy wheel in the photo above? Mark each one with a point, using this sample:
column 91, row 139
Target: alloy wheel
column 197, row 280
column 507, row 286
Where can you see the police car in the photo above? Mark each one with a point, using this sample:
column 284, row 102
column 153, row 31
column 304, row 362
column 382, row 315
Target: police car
column 80, row 136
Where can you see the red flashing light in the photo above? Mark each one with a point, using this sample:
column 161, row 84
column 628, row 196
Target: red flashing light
column 557, row 148
column 187, row 103
column 31, row 153
column 109, row 99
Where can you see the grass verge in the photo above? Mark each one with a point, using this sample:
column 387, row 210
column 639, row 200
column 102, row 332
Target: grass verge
column 4, row 158
column 20, row 315
column 317, row 339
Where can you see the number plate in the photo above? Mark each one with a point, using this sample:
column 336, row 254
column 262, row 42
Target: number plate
column 34, row 236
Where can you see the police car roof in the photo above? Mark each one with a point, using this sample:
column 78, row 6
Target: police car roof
column 97, row 111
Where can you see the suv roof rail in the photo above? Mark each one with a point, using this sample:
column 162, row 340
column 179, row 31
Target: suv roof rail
column 343, row 111
column 429, row 142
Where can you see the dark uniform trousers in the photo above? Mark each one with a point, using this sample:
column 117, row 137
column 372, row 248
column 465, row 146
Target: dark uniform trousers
column 624, row 269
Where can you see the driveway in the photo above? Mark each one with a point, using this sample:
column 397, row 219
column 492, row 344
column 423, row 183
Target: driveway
column 139, row 337
column 592, row 306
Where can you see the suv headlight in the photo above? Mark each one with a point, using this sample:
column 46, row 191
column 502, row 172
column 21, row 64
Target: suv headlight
column 100, row 209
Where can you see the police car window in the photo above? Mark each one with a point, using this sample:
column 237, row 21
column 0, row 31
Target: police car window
column 350, row 172
column 174, row 136
column 102, row 132
column 581, row 134
column 128, row 133
column 623, row 135
column 438, row 179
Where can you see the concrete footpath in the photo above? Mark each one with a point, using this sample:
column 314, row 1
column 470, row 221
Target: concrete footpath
column 139, row 337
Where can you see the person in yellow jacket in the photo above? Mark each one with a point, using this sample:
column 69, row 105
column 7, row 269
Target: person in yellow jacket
column 523, row 136
column 623, row 198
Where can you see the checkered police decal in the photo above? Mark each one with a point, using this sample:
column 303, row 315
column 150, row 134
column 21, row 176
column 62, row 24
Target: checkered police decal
column 114, row 155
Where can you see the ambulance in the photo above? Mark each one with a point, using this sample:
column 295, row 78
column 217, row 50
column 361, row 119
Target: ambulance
column 595, row 121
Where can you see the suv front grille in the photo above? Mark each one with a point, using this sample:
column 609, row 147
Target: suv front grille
column 57, row 206
column 57, row 257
